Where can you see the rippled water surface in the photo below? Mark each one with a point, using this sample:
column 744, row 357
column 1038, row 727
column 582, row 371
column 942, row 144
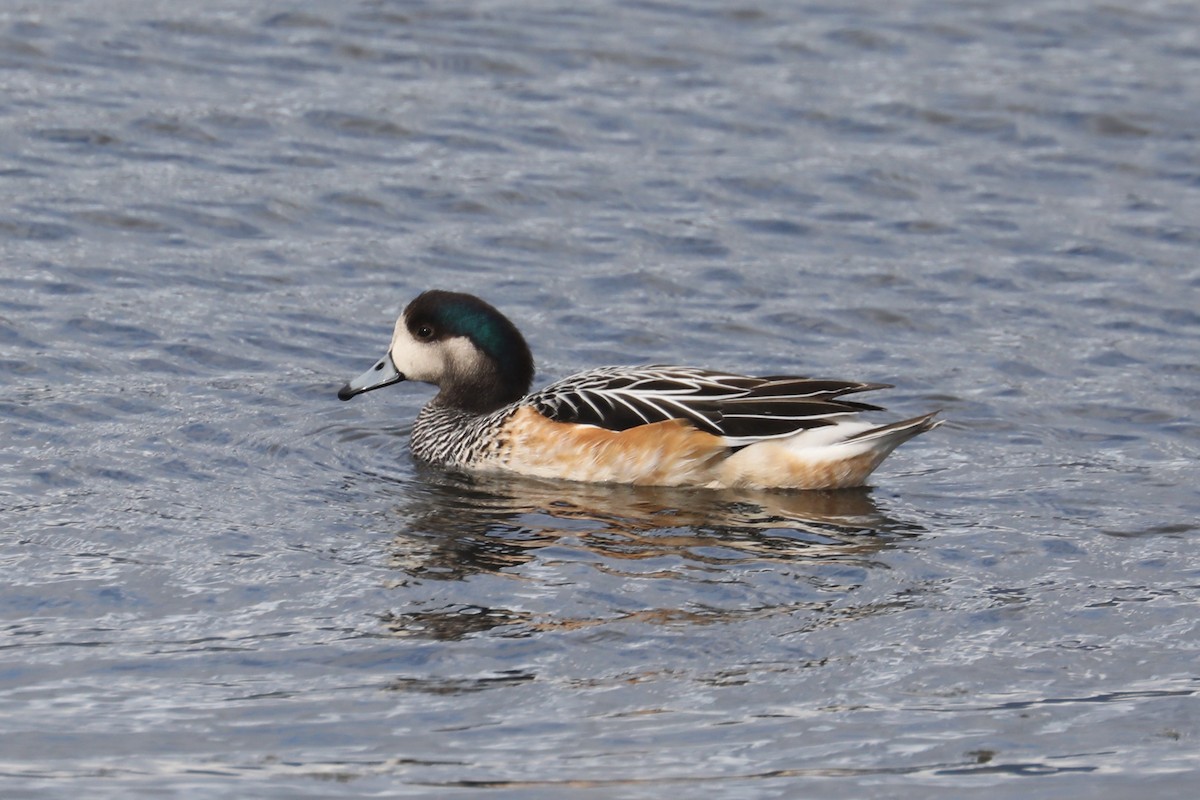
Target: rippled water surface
column 219, row 581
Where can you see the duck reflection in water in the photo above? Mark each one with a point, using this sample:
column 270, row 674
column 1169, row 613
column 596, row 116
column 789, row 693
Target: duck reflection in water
column 458, row 526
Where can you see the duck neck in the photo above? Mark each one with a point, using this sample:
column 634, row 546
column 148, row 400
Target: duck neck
column 485, row 388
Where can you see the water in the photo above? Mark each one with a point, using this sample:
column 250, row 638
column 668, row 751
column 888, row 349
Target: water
column 220, row 581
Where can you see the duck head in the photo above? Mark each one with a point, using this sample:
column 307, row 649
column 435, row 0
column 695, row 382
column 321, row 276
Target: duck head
column 460, row 344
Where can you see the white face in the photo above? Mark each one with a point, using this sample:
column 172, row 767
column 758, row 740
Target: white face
column 431, row 361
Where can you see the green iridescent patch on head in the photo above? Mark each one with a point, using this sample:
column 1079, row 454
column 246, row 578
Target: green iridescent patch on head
column 475, row 323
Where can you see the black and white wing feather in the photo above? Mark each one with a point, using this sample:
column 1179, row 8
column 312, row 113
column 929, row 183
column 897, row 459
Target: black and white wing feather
column 740, row 408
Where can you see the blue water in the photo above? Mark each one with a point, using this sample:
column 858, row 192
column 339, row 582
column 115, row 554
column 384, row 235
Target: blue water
column 216, row 580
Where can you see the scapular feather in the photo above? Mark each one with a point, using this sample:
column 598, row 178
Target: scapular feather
column 739, row 407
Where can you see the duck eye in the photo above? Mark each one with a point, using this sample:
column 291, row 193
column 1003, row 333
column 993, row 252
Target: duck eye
column 424, row 332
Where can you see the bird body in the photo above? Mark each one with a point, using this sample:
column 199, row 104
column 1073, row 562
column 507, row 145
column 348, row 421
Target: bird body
column 650, row 425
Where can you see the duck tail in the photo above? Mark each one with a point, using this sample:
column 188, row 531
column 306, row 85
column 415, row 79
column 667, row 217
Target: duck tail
column 887, row 438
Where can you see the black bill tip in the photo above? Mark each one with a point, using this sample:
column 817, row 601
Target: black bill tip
column 346, row 392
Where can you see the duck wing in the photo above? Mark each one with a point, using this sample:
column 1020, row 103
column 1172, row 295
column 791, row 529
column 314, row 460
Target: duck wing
column 741, row 408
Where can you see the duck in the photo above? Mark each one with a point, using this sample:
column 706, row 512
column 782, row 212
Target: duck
column 652, row 425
